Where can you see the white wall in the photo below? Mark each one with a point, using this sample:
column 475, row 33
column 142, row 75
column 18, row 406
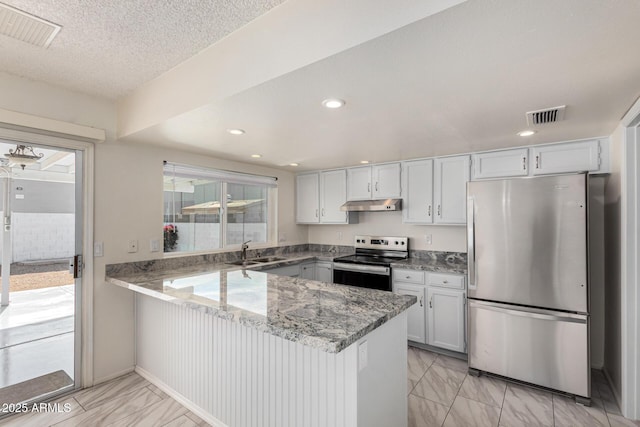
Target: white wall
column 447, row 238
column 613, row 342
column 128, row 204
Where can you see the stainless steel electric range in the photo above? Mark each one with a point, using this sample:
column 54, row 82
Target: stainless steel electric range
column 370, row 267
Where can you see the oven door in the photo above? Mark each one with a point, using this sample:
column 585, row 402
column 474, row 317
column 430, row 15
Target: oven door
column 363, row 276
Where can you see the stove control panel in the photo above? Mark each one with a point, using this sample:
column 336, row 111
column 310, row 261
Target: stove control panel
column 383, row 243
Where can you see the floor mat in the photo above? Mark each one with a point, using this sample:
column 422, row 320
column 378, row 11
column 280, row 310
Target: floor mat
column 35, row 387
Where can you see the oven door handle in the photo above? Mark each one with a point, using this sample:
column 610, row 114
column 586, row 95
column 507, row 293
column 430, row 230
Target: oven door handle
column 359, row 268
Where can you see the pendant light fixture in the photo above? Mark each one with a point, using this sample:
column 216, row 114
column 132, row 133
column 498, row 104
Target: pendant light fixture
column 23, row 155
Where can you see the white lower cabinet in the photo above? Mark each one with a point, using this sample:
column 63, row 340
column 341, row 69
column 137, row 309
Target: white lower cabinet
column 308, row 270
column 446, row 318
column 324, row 271
column 416, row 316
column 438, row 319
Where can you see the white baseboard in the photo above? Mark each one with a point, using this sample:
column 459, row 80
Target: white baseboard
column 112, row 376
column 180, row 398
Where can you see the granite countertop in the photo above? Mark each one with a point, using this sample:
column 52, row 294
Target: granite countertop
column 429, row 265
column 326, row 316
column 449, row 264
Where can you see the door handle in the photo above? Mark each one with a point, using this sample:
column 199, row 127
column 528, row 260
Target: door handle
column 376, row 186
column 369, row 188
column 524, row 163
column 538, row 162
column 75, row 266
column 439, row 211
column 323, row 214
column 431, row 302
column 429, row 211
column 316, row 213
column 471, row 244
column 421, row 298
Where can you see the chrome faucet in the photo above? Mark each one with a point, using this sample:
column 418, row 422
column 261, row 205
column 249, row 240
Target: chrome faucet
column 243, row 254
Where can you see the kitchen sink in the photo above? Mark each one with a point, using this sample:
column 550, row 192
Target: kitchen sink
column 267, row 259
column 243, row 262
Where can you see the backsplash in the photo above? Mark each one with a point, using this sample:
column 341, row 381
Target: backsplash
column 128, row 268
column 452, row 258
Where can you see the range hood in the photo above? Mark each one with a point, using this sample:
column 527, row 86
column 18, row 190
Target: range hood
column 372, row 205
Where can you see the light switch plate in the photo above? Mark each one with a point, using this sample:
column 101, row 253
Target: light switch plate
column 98, row 249
column 428, row 239
column 132, row 246
column 154, row 245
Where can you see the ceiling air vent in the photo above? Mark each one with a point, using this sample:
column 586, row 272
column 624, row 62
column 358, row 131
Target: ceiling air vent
column 26, row 27
column 548, row 115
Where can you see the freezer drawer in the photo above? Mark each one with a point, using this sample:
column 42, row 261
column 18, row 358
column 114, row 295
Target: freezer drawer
column 542, row 347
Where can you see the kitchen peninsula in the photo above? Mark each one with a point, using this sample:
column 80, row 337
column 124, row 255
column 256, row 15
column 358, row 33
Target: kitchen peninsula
column 243, row 347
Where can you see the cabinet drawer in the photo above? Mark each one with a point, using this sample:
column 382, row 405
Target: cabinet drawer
column 454, row 281
column 411, row 276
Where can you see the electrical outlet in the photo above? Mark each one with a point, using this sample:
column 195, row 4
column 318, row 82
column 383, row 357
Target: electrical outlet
column 132, row 246
column 98, row 249
column 428, row 239
column 154, row 245
column 282, row 236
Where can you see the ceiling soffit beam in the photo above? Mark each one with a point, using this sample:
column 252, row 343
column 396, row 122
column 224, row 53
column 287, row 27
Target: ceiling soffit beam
column 288, row 37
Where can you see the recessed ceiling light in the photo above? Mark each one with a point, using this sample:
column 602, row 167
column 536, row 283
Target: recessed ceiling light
column 364, row 162
column 256, row 156
column 294, row 164
column 333, row 103
column 235, row 131
column 527, row 132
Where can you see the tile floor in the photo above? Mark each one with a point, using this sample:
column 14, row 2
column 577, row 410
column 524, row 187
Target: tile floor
column 442, row 394
column 126, row 401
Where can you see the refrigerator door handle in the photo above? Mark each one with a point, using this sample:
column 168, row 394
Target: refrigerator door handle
column 530, row 312
column 471, row 243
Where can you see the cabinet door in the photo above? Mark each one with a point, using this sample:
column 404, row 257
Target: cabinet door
column 569, row 157
column 308, row 270
column 417, row 192
column 307, row 199
column 386, row 181
column 333, row 194
column 450, row 185
column 446, row 318
column 499, row 164
column 359, row 183
column 324, row 272
column 416, row 315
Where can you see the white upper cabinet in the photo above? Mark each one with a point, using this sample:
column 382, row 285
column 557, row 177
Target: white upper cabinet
column 359, row 183
column 333, row 194
column 386, row 181
column 450, row 189
column 568, row 157
column 417, row 192
column 374, row 182
column 307, row 199
column 500, row 164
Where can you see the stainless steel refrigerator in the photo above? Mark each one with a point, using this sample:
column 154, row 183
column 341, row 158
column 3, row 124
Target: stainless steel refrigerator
column 528, row 287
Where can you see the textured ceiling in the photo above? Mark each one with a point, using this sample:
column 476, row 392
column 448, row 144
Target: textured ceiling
column 109, row 48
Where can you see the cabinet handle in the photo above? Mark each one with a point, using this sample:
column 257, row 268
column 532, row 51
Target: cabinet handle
column 431, row 302
column 439, row 210
column 538, row 162
column 421, row 302
column 323, row 212
column 429, row 211
column 369, row 188
column 524, row 163
column 445, row 281
column 316, row 213
column 408, row 277
column 376, row 186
